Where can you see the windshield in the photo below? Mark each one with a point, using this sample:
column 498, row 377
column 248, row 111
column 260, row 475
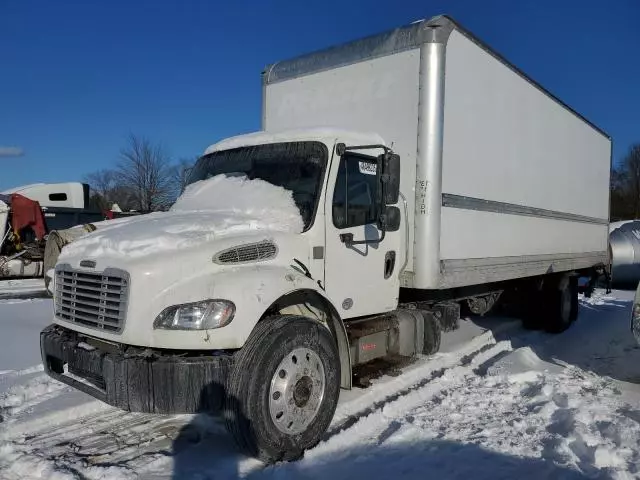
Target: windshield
column 296, row 166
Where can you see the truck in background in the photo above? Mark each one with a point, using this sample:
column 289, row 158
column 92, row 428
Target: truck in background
column 29, row 213
column 473, row 185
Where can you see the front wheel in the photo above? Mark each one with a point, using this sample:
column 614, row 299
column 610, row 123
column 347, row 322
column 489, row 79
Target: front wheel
column 283, row 388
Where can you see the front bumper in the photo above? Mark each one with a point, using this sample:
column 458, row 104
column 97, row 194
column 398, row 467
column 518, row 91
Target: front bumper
column 137, row 380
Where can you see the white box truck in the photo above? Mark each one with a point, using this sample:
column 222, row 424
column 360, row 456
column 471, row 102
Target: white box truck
column 300, row 252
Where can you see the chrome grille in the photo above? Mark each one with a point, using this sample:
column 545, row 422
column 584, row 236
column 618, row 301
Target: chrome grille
column 92, row 299
column 250, row 252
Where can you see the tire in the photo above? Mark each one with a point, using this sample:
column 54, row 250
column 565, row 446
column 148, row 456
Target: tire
column 561, row 305
column 251, row 404
column 526, row 304
column 532, row 311
column 432, row 334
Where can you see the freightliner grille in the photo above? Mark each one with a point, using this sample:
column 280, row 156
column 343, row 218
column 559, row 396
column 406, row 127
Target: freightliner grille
column 92, row 299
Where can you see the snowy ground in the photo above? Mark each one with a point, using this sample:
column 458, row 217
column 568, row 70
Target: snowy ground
column 22, row 288
column 497, row 402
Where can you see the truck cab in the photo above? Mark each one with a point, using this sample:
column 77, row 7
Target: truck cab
column 147, row 323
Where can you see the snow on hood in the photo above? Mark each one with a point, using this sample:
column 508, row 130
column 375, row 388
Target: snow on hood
column 219, row 206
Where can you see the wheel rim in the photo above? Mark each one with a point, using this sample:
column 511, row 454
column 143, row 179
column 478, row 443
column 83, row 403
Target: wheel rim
column 297, row 390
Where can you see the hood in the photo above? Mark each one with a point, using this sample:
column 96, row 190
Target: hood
column 208, row 210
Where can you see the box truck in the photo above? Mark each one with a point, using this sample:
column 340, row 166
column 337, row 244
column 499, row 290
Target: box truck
column 396, row 177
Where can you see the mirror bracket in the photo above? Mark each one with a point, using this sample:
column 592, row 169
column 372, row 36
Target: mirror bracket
column 347, row 239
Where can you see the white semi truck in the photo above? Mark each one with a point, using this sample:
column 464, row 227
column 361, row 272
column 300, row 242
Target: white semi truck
column 475, row 184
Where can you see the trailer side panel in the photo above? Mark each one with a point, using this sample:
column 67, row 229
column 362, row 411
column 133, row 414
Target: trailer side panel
column 522, row 176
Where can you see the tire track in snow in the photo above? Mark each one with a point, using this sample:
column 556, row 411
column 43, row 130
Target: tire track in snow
column 111, row 438
column 429, row 369
column 365, row 424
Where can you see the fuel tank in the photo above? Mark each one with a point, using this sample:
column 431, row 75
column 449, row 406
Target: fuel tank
column 624, row 242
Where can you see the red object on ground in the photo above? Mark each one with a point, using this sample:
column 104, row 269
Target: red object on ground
column 27, row 213
column 108, row 214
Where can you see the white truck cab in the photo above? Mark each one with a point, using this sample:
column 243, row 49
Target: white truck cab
column 298, row 253
column 320, row 182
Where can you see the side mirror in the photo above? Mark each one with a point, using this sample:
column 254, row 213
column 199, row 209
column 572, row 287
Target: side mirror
column 389, row 168
column 389, row 219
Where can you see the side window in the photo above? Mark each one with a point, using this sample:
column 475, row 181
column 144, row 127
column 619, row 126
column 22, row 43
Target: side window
column 57, row 197
column 354, row 198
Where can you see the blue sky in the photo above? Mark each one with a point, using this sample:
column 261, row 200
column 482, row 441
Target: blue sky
column 77, row 76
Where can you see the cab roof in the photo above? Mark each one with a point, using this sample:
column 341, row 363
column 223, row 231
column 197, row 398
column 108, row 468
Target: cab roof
column 325, row 134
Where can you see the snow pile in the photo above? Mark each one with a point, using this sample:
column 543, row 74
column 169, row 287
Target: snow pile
column 208, row 209
column 256, row 198
column 20, row 397
column 465, row 424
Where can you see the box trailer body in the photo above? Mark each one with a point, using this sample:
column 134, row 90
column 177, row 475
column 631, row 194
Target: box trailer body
column 501, row 179
column 396, row 178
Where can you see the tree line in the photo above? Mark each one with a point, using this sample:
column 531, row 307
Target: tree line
column 143, row 179
column 625, row 186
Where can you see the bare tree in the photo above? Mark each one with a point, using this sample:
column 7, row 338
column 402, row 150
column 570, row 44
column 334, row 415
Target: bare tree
column 625, row 186
column 106, row 189
column 145, row 171
column 102, row 184
column 180, row 174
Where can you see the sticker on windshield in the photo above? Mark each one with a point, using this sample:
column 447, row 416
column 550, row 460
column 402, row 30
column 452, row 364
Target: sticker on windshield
column 367, row 168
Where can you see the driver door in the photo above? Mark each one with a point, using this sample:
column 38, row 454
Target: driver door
column 359, row 279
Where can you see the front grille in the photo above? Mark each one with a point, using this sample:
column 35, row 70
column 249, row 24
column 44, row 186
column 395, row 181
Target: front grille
column 250, row 252
column 92, row 299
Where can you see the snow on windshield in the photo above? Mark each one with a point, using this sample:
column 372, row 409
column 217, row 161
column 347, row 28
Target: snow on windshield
column 239, row 194
column 211, row 208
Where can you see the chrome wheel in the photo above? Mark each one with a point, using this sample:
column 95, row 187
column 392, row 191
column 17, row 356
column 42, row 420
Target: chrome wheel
column 297, row 390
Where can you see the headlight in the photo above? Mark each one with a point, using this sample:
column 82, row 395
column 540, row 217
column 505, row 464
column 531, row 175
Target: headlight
column 196, row 316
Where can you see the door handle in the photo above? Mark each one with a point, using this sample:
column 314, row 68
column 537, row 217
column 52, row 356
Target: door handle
column 389, row 263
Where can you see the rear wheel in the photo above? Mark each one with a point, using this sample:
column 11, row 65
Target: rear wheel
column 551, row 306
column 283, row 388
column 561, row 305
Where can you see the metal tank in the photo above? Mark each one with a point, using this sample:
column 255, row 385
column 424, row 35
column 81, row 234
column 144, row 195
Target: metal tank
column 624, row 242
